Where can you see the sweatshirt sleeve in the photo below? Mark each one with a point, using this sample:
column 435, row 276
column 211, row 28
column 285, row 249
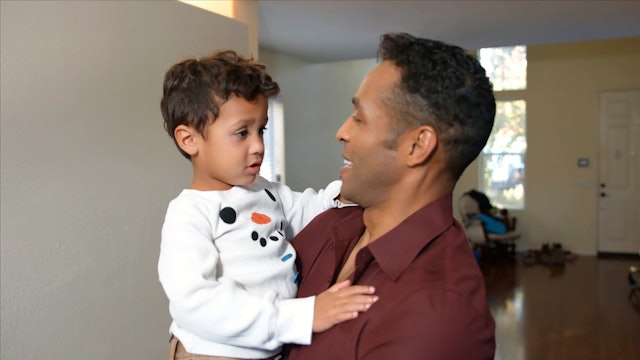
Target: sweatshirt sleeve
column 295, row 321
column 211, row 306
column 301, row 207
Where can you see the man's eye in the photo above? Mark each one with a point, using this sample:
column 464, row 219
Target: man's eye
column 356, row 119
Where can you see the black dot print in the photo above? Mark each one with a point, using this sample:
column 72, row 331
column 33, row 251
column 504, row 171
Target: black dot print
column 228, row 215
column 255, row 236
column 270, row 195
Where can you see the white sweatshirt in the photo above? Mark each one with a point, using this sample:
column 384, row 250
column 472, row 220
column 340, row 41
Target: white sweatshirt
column 228, row 268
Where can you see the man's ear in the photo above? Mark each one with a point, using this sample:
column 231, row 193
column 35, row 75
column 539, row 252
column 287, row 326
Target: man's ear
column 186, row 139
column 422, row 143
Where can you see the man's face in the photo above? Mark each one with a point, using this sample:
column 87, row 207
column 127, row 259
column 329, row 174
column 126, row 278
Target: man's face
column 371, row 169
column 231, row 150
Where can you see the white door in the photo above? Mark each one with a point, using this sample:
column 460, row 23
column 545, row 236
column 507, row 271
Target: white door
column 619, row 172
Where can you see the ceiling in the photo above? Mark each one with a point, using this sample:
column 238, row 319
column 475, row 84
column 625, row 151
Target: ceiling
column 328, row 30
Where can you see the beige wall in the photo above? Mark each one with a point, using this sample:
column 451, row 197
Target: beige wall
column 245, row 11
column 563, row 85
column 562, row 126
column 87, row 172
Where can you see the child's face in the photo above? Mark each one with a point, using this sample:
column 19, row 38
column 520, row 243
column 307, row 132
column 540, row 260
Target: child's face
column 232, row 149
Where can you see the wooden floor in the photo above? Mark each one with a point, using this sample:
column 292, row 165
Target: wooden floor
column 579, row 311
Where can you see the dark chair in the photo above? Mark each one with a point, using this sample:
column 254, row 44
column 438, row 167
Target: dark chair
column 490, row 244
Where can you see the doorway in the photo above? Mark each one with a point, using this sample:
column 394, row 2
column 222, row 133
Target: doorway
column 619, row 172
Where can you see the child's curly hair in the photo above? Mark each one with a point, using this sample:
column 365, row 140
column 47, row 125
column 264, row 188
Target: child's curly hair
column 194, row 89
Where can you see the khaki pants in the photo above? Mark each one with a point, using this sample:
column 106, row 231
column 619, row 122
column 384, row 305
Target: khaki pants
column 178, row 352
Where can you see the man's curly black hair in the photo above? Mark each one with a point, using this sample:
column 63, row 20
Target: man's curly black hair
column 444, row 87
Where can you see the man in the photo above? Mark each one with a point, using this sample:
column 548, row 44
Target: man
column 420, row 117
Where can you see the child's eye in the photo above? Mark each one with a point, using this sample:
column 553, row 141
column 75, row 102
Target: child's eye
column 262, row 130
column 242, row 133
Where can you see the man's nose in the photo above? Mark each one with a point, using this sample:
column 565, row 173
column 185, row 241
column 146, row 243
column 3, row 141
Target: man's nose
column 341, row 134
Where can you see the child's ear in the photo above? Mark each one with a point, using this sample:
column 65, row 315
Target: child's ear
column 186, row 139
column 423, row 141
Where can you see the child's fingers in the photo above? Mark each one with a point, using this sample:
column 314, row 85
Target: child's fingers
column 356, row 303
column 351, row 309
column 340, row 303
column 340, row 286
column 344, row 316
column 356, row 290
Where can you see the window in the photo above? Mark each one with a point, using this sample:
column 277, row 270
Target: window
column 506, row 67
column 273, row 163
column 502, row 161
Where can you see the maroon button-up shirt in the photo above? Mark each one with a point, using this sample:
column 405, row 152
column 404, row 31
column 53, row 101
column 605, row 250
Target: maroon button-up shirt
column 432, row 297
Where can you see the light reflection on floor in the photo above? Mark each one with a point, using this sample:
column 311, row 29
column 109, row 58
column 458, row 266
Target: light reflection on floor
column 577, row 311
column 508, row 318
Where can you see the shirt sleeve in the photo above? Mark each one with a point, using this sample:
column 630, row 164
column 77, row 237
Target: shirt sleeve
column 301, row 207
column 428, row 327
column 213, row 307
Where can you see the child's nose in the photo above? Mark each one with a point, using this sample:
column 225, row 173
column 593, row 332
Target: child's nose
column 257, row 146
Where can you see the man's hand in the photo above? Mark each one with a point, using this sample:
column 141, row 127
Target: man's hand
column 341, row 302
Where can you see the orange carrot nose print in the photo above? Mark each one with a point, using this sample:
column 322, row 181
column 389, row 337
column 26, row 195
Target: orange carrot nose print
column 260, row 218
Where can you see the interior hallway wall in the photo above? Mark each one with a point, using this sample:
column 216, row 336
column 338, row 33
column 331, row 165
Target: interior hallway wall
column 87, row 171
column 563, row 125
column 316, row 100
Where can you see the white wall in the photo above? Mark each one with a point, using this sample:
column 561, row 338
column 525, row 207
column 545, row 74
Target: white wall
column 87, row 171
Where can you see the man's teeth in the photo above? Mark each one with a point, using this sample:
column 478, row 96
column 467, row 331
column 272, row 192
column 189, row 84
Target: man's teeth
column 348, row 163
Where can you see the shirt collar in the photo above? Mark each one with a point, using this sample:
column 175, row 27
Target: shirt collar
column 415, row 232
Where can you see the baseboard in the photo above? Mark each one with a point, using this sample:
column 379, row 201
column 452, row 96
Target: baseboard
column 610, row 255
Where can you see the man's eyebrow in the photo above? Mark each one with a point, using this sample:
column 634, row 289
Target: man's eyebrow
column 355, row 101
